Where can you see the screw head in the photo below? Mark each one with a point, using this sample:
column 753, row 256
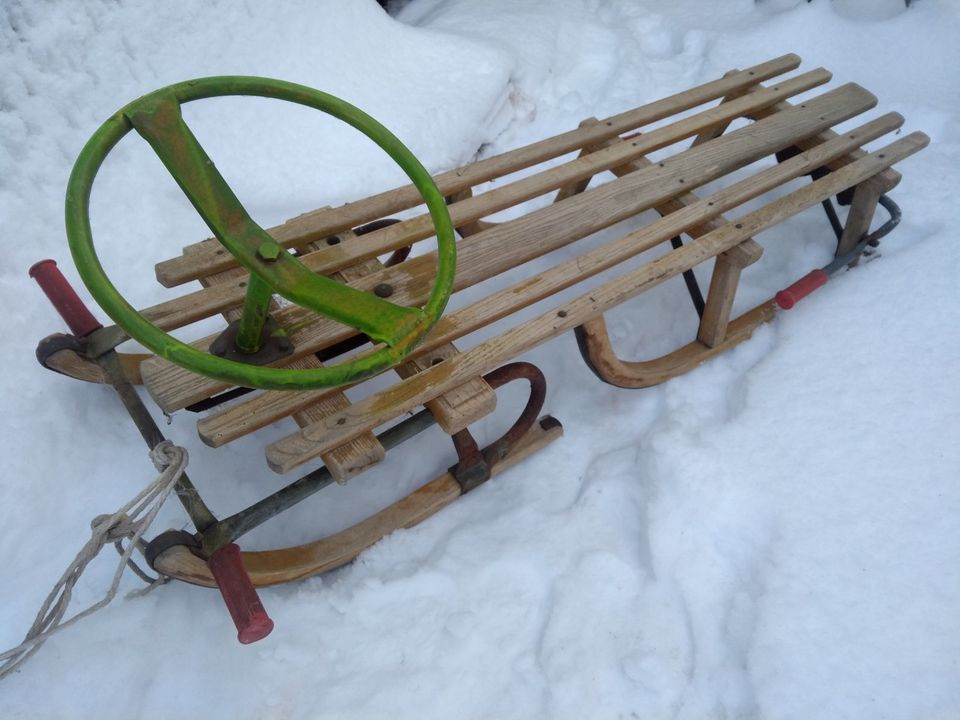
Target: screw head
column 383, row 290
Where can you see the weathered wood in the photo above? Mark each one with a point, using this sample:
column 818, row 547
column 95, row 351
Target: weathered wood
column 744, row 254
column 318, row 224
column 248, row 416
column 289, row 452
column 461, row 406
column 719, row 303
column 726, row 271
column 471, row 227
column 595, row 345
column 862, row 208
column 578, row 186
column 720, row 128
column 889, row 178
column 352, row 458
column 487, row 254
column 271, row 567
column 464, row 213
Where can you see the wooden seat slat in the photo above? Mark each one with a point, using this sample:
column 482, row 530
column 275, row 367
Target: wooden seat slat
column 500, row 248
column 296, row 449
column 268, row 407
column 318, row 224
column 328, row 259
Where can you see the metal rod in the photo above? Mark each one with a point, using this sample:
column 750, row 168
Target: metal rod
column 256, row 305
column 693, row 287
column 832, row 217
column 229, row 529
column 186, row 491
column 871, row 239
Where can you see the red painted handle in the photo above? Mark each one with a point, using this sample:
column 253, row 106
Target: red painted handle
column 239, row 594
column 786, row 299
column 64, row 298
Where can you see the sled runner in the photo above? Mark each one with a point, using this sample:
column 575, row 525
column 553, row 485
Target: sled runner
column 352, row 316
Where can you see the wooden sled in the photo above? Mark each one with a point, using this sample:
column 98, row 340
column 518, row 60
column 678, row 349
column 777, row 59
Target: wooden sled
column 688, row 137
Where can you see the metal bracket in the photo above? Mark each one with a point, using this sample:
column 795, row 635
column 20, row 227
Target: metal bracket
column 475, row 464
column 168, row 539
column 274, row 344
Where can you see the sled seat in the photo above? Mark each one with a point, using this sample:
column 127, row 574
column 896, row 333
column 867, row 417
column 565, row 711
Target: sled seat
column 659, row 155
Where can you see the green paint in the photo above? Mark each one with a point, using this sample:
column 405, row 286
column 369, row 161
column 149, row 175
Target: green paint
column 256, row 305
column 157, row 118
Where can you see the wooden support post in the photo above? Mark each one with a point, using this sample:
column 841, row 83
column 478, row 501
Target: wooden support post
column 723, row 290
column 865, row 198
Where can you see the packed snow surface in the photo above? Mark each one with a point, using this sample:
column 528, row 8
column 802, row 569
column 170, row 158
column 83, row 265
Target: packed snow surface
column 775, row 535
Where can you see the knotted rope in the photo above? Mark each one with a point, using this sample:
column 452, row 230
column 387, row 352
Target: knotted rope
column 130, row 521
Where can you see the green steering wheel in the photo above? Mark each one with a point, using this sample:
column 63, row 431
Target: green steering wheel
column 157, row 118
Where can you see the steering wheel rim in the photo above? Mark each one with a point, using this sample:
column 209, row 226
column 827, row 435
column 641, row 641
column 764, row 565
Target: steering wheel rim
column 80, row 239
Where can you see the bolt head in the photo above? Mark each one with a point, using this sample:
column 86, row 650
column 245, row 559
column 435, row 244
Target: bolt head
column 269, row 251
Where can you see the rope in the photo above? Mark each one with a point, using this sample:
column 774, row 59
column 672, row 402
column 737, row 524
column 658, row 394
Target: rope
column 130, row 521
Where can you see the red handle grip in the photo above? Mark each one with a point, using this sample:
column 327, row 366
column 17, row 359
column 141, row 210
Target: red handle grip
column 239, row 594
column 64, row 298
column 786, row 299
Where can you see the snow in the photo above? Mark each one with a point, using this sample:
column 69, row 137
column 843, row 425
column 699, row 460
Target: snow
column 774, row 535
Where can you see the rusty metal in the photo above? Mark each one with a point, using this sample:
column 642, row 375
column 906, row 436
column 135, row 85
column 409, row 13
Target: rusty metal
column 168, row 539
column 273, row 344
column 472, row 470
column 58, row 342
column 475, row 464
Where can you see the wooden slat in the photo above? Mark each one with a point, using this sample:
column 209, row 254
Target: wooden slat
column 371, row 412
column 329, row 259
column 259, row 411
column 888, row 179
column 486, row 254
column 744, row 254
column 726, row 271
column 318, row 224
column 461, row 406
